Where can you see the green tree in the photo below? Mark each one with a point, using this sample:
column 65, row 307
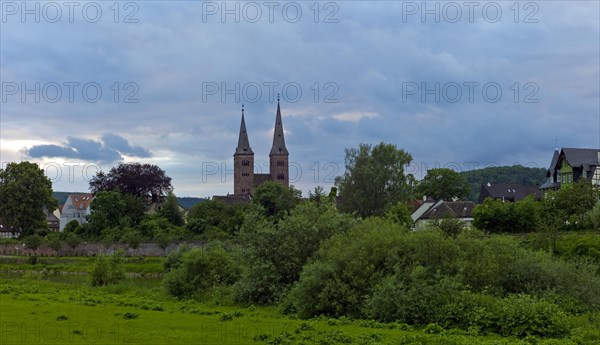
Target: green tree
column 568, row 207
column 24, row 192
column 132, row 238
column 277, row 253
column 197, row 270
column 71, row 227
column 170, row 210
column 33, row 241
column 443, row 184
column 108, row 270
column 400, row 214
column 134, row 208
column 54, row 241
column 72, row 240
column 374, row 180
column 215, row 214
column 495, row 216
column 276, row 199
column 107, row 211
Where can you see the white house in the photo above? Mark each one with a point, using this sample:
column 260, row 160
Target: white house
column 76, row 208
column 430, row 211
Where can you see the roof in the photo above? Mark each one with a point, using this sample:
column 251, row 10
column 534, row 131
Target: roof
column 81, row 201
column 577, row 157
column 261, row 178
column 278, row 147
column 453, row 209
column 550, row 185
column 243, row 147
column 49, row 216
column 233, row 199
column 508, row 191
column 553, row 163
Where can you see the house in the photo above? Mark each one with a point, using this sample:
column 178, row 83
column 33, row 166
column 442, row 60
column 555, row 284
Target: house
column 509, row 192
column 76, row 207
column 569, row 165
column 429, row 212
column 551, row 175
column 52, row 221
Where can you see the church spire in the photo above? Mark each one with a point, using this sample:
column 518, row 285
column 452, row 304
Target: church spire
column 278, row 147
column 243, row 147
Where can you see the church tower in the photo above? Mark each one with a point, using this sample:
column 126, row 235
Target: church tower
column 243, row 163
column 278, row 157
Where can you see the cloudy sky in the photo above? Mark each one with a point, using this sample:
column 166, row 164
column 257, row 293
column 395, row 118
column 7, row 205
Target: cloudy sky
column 86, row 85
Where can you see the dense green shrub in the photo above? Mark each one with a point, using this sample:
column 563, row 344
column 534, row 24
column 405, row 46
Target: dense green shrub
column 381, row 272
column 108, row 270
column 200, row 270
column 277, row 253
column 347, row 267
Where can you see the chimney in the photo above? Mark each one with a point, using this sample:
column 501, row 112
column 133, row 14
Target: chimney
column 425, row 196
column 599, row 157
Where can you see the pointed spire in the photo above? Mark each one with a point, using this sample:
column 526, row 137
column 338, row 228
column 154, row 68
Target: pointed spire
column 243, row 147
column 278, row 147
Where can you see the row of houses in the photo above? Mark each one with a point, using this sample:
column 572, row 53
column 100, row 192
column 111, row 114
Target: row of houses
column 567, row 166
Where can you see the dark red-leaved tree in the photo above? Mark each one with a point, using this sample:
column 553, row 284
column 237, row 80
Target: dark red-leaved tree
column 148, row 182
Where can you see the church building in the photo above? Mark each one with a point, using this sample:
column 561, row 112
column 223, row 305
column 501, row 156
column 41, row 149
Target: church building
column 245, row 180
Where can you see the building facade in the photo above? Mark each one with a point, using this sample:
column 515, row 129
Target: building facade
column 76, row 207
column 569, row 165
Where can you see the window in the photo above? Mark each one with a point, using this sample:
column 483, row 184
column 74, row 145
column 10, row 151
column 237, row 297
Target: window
column 280, row 176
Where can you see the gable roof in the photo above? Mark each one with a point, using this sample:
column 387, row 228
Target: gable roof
column 577, row 157
column 81, row 201
column 507, row 191
column 453, row 209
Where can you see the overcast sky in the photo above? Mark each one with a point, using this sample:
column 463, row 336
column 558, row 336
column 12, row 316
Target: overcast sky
column 463, row 85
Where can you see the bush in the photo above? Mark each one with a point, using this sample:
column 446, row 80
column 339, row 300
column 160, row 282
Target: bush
column 383, row 273
column 201, row 269
column 108, row 270
column 277, row 253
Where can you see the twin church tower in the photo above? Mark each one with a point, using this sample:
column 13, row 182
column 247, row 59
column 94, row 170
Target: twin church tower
column 245, row 180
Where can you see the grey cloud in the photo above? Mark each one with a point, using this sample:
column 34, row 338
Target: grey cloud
column 110, row 149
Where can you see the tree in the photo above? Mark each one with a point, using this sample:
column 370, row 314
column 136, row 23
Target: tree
column 24, row 192
column 170, row 210
column 374, row 179
column 277, row 253
column 107, row 211
column 54, row 241
column 444, row 184
column 72, row 240
column 145, row 181
column 276, row 199
column 568, row 206
column 400, row 214
column 33, row 241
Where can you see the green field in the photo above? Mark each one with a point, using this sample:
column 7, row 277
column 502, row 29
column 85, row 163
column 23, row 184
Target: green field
column 44, row 307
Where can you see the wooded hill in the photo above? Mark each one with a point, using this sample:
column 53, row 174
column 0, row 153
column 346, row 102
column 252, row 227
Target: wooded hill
column 505, row 174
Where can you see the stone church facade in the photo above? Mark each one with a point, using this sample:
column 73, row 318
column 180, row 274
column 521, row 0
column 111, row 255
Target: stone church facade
column 245, row 180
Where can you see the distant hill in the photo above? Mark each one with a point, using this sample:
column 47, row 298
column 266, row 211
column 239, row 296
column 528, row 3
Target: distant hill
column 506, row 174
column 185, row 202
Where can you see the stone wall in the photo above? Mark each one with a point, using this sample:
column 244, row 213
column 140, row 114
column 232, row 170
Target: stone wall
column 93, row 249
